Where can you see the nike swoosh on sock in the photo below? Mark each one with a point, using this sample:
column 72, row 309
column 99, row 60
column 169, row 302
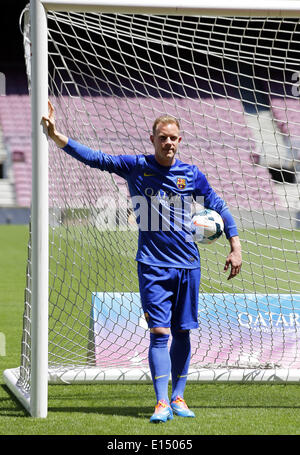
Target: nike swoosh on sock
column 162, row 376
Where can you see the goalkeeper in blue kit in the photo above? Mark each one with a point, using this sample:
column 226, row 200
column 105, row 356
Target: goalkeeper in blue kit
column 162, row 189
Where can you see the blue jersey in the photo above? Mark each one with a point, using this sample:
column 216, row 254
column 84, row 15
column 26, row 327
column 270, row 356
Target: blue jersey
column 162, row 199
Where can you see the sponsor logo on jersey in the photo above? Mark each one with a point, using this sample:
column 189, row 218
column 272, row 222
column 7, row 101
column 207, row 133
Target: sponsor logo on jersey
column 148, row 174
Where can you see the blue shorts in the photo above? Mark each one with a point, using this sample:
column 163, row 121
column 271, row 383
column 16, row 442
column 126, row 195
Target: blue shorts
column 169, row 296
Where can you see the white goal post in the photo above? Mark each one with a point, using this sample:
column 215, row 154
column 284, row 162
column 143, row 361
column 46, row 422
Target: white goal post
column 91, row 88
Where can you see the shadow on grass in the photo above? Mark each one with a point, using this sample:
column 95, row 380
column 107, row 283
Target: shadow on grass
column 137, row 412
column 84, row 403
column 145, row 412
column 10, row 406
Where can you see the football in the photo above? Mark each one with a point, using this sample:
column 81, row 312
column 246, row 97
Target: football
column 207, row 226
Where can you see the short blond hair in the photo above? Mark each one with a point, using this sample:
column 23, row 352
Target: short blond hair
column 164, row 119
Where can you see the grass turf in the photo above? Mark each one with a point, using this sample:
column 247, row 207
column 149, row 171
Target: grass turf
column 124, row 409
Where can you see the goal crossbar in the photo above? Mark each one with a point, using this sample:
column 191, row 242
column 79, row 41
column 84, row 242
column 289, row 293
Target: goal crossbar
column 190, row 7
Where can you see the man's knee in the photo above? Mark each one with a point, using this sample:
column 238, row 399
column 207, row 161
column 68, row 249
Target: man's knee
column 160, row 330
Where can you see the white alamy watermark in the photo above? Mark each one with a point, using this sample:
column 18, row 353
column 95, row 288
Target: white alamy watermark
column 2, row 84
column 296, row 83
column 156, row 212
column 2, row 345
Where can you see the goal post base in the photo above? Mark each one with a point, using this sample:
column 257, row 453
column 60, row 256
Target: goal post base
column 11, row 378
column 97, row 375
column 142, row 375
column 201, row 375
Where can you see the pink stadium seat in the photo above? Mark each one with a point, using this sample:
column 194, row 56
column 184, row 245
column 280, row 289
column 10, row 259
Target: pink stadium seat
column 18, row 156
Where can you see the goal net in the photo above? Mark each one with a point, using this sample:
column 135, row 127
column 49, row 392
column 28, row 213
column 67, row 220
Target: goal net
column 233, row 83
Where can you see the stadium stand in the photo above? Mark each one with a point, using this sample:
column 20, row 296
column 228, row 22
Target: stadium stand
column 286, row 113
column 15, row 121
column 223, row 143
column 6, row 186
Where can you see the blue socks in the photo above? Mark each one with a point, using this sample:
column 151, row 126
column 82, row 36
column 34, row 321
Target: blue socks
column 162, row 363
column 180, row 354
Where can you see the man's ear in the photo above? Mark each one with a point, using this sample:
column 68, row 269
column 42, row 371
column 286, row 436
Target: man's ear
column 152, row 138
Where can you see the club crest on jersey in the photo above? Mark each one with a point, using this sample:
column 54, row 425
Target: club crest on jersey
column 181, row 183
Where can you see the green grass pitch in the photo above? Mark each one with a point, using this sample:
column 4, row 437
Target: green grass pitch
column 124, row 409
